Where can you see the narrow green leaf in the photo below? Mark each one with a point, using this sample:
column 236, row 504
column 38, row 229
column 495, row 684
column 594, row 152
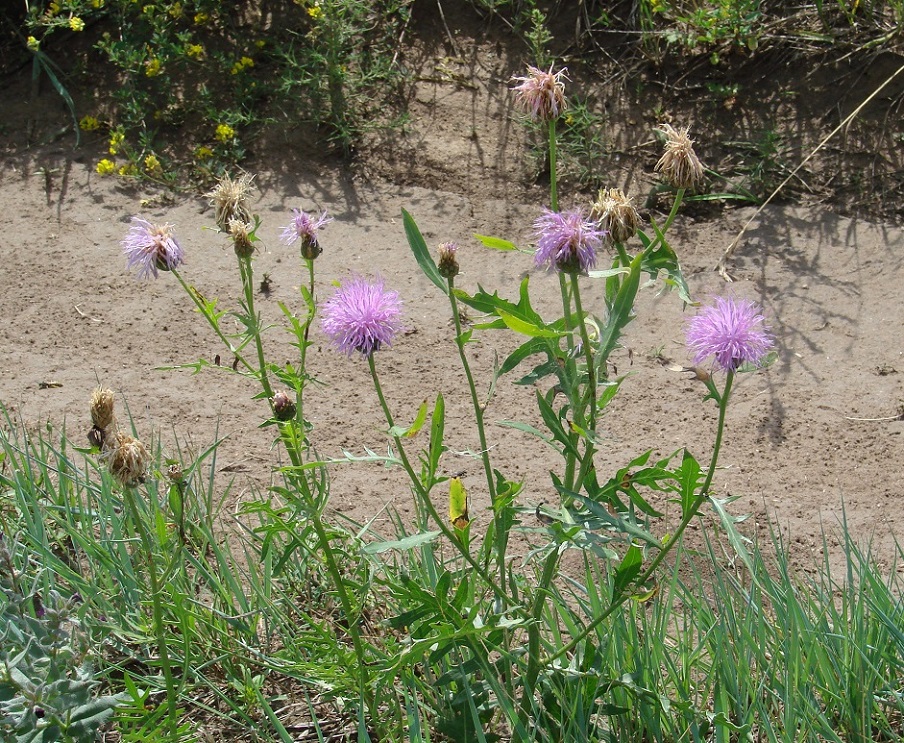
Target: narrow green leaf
column 422, row 253
column 526, row 327
column 411, row 430
column 496, row 243
column 628, row 569
column 734, row 536
column 402, row 545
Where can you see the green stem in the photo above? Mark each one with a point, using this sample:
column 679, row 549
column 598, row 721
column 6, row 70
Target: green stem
column 202, row 308
column 623, row 255
column 303, row 351
column 424, row 496
column 691, row 512
column 501, row 537
column 588, row 352
column 165, row 664
column 248, row 285
column 553, row 186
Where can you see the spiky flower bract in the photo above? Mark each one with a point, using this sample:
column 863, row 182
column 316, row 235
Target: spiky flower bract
column 305, row 227
column 229, row 197
column 448, row 261
column 679, row 164
column 541, row 94
column 733, row 331
column 102, row 401
column 614, row 212
column 362, row 316
column 150, row 247
column 566, row 241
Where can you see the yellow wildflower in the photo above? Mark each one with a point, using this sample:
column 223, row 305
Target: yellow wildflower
column 260, row 43
column 203, row 153
column 152, row 67
column 97, row 3
column 129, row 169
column 152, row 164
column 194, row 51
column 76, row 23
column 242, row 64
column 53, row 8
column 175, row 10
column 89, row 124
column 105, row 167
column 315, row 12
column 33, row 43
column 224, row 133
column 116, row 139
column 201, row 18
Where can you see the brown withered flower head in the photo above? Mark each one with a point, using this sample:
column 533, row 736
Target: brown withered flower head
column 102, row 400
column 127, row 459
column 679, row 164
column 615, row 214
column 242, row 234
column 448, row 262
column 228, row 198
column 541, row 93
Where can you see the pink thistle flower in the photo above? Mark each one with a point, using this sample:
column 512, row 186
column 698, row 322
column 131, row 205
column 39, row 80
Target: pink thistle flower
column 566, row 241
column 733, row 331
column 362, row 316
column 151, row 247
column 304, row 227
column 541, row 94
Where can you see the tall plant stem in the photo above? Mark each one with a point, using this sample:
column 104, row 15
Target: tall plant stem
column 617, row 601
column 303, row 350
column 162, row 649
column 424, row 495
column 501, row 537
column 248, row 285
column 588, row 353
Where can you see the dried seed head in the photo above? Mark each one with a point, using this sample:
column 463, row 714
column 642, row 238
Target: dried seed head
column 615, row 213
column 679, row 164
column 448, row 262
column 242, row 237
column 228, row 199
column 283, row 407
column 541, row 94
column 102, row 400
column 174, row 473
column 127, row 459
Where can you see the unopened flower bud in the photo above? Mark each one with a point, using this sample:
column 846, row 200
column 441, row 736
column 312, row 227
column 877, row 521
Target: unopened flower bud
column 615, row 214
column 102, row 407
column 679, row 164
column 127, row 459
column 283, row 407
column 448, row 263
column 242, row 233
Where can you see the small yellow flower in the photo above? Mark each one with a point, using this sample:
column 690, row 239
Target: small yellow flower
column 152, row 67
column 242, row 64
column 224, row 133
column 53, row 8
column 76, row 23
column 152, row 164
column 97, row 3
column 175, row 10
column 128, row 170
column 105, row 167
column 315, row 12
column 33, row 43
column 201, row 18
column 116, row 139
column 194, row 51
column 203, row 153
column 260, row 43
column 89, row 124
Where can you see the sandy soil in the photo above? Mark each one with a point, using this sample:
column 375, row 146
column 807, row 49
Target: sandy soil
column 814, row 439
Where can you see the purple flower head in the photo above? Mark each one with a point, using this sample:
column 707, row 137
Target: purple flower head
column 151, row 247
column 734, row 331
column 305, row 227
column 566, row 241
column 362, row 316
column 541, row 94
